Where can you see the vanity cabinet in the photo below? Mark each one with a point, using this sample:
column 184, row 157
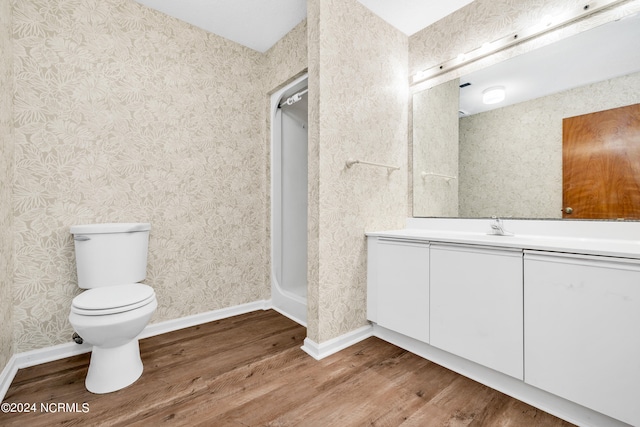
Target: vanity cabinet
column 553, row 321
column 398, row 286
column 476, row 305
column 582, row 330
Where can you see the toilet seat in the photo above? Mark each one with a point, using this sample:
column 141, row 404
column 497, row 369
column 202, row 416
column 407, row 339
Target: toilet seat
column 112, row 299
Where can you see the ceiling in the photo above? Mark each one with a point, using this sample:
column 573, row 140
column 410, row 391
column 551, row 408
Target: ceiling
column 259, row 24
column 596, row 55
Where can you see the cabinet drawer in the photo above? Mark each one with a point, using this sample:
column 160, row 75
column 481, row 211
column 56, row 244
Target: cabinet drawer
column 476, row 305
column 403, row 287
column 582, row 330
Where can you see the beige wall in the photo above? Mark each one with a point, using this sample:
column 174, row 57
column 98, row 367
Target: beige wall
column 287, row 59
column 6, row 178
column 435, row 132
column 125, row 114
column 357, row 109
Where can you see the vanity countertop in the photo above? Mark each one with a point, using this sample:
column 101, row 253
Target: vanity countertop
column 573, row 245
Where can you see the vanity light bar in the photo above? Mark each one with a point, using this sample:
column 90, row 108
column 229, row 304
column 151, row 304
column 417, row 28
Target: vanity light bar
column 547, row 24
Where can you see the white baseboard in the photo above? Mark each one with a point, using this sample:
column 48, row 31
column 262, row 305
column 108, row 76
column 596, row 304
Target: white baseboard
column 327, row 348
column 513, row 387
column 517, row 389
column 61, row 351
column 6, row 377
column 200, row 318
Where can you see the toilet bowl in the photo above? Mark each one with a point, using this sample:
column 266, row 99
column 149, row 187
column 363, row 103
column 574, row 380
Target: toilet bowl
column 104, row 318
column 114, row 309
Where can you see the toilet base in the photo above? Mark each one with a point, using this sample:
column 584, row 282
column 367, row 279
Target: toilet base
column 112, row 369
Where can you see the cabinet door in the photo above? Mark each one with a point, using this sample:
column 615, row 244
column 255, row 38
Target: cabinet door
column 403, row 287
column 582, row 331
column 476, row 305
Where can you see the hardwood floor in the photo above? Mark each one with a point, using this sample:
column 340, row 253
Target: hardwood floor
column 249, row 370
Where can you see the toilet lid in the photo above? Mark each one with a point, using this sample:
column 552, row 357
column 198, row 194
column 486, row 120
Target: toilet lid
column 112, row 299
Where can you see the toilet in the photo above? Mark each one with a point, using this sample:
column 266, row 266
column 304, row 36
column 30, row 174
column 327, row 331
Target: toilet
column 111, row 260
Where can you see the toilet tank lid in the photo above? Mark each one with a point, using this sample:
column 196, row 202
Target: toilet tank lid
column 112, row 227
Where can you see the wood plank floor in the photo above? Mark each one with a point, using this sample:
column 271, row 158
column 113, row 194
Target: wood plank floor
column 249, row 370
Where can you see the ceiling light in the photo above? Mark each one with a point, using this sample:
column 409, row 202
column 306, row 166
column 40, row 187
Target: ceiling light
column 494, row 94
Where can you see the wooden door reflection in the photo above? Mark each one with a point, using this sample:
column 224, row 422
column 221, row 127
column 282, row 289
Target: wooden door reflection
column 601, row 164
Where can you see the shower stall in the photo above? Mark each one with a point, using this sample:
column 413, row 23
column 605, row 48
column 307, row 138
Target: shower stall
column 289, row 139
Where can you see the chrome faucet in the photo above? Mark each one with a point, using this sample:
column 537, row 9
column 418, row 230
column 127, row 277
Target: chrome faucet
column 497, row 228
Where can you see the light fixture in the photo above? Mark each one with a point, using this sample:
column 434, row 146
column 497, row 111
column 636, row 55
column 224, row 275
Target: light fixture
column 547, row 23
column 493, row 95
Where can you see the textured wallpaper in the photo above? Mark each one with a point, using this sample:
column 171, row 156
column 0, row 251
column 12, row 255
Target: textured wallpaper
column 361, row 113
column 6, row 178
column 286, row 60
column 435, row 132
column 498, row 165
column 124, row 114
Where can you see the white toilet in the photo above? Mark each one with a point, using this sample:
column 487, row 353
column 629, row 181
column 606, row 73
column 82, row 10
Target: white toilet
column 111, row 259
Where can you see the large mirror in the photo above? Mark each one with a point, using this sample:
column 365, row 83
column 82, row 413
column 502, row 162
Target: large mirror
column 473, row 159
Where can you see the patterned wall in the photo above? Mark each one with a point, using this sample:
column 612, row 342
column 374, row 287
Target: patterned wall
column 436, row 129
column 287, row 59
column 361, row 113
column 125, row 114
column 496, row 163
column 6, row 178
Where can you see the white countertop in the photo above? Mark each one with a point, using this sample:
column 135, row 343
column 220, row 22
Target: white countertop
column 573, row 245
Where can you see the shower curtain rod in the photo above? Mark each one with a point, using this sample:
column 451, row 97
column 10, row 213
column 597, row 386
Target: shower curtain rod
column 293, row 98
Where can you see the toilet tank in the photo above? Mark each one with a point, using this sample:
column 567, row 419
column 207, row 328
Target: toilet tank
column 111, row 254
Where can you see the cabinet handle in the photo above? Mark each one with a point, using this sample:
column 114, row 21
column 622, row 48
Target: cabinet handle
column 568, row 210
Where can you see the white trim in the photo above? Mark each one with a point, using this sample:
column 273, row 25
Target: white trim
column 200, row 318
column 513, row 387
column 6, row 377
column 327, row 348
column 61, row 351
column 37, row 357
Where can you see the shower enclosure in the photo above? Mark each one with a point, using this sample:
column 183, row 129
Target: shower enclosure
column 289, row 200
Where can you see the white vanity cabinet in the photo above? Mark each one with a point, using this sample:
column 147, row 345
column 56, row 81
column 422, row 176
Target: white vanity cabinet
column 476, row 305
column 398, row 286
column 582, row 330
column 551, row 319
